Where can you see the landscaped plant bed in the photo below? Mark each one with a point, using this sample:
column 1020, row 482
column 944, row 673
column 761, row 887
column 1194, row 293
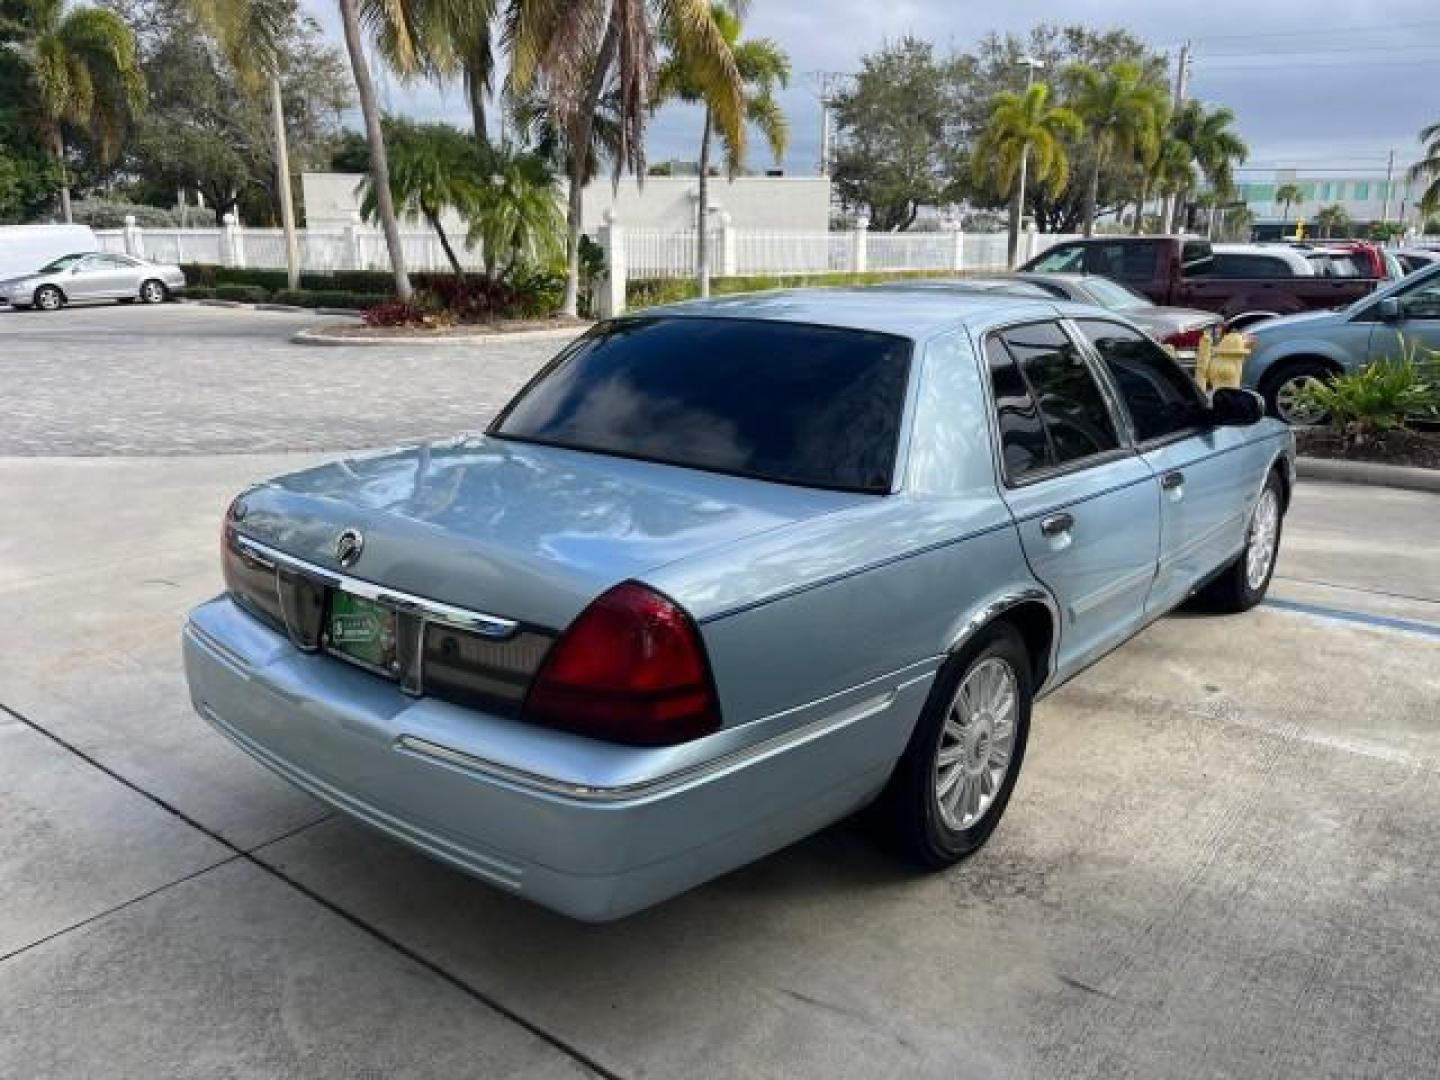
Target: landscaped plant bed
column 1403, row 446
column 458, row 330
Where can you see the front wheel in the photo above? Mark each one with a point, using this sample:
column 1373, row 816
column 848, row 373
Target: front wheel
column 49, row 298
column 153, row 292
column 952, row 785
column 1244, row 582
column 1286, row 394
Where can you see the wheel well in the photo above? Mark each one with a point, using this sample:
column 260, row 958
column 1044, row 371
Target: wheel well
column 57, row 288
column 1280, row 367
column 1281, row 475
column 1037, row 628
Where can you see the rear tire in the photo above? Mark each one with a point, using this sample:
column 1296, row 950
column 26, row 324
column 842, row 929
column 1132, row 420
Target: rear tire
column 49, row 298
column 1245, row 581
column 1283, row 392
column 153, row 292
column 954, row 780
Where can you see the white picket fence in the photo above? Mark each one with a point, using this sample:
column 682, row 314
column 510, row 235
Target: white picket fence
column 630, row 253
column 321, row 252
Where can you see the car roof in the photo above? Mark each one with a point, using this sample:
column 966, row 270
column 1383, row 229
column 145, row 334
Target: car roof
column 918, row 313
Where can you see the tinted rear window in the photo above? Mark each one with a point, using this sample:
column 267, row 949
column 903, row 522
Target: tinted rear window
column 792, row 403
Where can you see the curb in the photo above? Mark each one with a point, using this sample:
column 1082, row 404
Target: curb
column 1406, row 477
column 319, row 336
column 267, row 306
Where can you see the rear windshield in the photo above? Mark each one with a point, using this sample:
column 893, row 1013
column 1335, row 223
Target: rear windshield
column 792, row 403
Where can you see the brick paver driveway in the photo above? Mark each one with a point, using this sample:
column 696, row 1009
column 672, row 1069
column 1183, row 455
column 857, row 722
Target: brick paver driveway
column 191, row 379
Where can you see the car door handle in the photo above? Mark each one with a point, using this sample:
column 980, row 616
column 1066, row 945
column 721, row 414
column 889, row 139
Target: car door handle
column 1172, row 480
column 1056, row 525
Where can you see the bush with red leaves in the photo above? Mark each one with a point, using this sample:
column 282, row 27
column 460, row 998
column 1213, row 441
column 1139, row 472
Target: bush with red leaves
column 406, row 313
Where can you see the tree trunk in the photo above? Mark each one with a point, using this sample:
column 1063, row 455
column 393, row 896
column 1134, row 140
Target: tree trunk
column 475, row 90
column 1012, row 241
column 1140, row 208
column 64, row 176
column 579, row 165
column 434, row 220
column 1092, row 195
column 282, row 189
column 379, row 166
column 702, row 211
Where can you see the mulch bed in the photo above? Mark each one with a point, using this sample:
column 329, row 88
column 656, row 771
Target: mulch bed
column 502, row 326
column 1404, row 447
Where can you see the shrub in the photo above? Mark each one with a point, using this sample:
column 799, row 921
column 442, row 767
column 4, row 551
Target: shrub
column 245, row 294
column 1376, row 399
column 211, row 275
column 111, row 214
column 200, row 292
column 406, row 313
column 330, row 298
column 373, row 282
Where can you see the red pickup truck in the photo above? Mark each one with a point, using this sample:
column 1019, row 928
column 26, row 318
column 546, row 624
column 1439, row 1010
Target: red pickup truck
column 1181, row 271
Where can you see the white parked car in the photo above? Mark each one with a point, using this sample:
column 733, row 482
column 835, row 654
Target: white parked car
column 95, row 275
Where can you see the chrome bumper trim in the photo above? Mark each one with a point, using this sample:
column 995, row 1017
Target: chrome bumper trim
column 411, row 744
column 491, row 626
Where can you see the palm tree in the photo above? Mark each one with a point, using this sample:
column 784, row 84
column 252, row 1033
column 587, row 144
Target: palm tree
column 1168, row 173
column 250, row 34
column 1332, row 219
column 1428, row 168
column 1123, row 111
column 86, row 75
column 574, row 48
column 764, row 68
column 1288, row 195
column 1215, row 148
column 516, row 214
column 433, row 168
column 1020, row 125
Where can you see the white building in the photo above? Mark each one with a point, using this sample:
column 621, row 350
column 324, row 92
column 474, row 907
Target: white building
column 332, row 201
column 1365, row 198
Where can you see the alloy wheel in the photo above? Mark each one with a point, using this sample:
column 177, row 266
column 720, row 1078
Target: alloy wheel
column 1264, row 535
column 1292, row 405
column 152, row 292
column 976, row 743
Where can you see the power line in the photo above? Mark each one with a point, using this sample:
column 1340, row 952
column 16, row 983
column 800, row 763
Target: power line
column 1361, row 28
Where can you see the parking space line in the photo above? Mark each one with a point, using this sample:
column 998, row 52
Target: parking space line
column 1359, row 588
column 414, row 956
column 1386, row 622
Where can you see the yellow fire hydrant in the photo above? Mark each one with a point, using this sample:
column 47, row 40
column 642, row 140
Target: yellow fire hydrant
column 1222, row 364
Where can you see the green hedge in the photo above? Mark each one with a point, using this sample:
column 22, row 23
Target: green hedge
column 647, row 292
column 330, row 298
column 245, row 294
column 208, row 276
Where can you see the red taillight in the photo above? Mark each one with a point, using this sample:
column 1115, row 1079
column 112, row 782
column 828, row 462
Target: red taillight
column 630, row 669
column 1187, row 339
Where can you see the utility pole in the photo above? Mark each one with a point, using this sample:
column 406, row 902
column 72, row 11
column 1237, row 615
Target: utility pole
column 1017, row 208
column 1389, row 184
column 1170, row 206
column 828, row 87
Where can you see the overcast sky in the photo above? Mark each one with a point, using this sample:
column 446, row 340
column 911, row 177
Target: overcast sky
column 1315, row 84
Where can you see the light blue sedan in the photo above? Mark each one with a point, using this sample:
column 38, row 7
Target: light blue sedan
column 726, row 572
column 1288, row 354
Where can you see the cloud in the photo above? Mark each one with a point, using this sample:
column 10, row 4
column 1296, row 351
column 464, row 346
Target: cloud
column 1337, row 83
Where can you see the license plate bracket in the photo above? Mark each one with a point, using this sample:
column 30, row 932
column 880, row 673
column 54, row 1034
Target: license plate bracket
column 364, row 632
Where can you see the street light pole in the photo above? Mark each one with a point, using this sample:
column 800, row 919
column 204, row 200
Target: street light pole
column 1017, row 209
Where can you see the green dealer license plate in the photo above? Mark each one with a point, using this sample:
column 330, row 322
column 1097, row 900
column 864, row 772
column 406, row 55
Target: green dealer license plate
column 363, row 631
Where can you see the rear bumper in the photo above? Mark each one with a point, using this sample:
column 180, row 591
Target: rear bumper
column 516, row 806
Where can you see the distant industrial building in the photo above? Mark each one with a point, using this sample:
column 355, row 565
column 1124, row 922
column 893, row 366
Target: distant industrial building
column 1366, row 199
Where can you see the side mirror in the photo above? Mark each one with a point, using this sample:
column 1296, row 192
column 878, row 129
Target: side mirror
column 1388, row 309
column 1231, row 407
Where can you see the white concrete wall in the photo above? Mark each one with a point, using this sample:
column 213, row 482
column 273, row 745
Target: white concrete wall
column 753, row 202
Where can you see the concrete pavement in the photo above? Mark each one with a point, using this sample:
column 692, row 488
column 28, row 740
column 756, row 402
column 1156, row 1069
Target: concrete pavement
column 1219, row 861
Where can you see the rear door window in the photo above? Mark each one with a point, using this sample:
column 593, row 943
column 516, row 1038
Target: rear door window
column 1124, row 260
column 1024, row 445
column 1162, row 400
column 1071, row 406
column 793, row 403
column 1237, row 265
